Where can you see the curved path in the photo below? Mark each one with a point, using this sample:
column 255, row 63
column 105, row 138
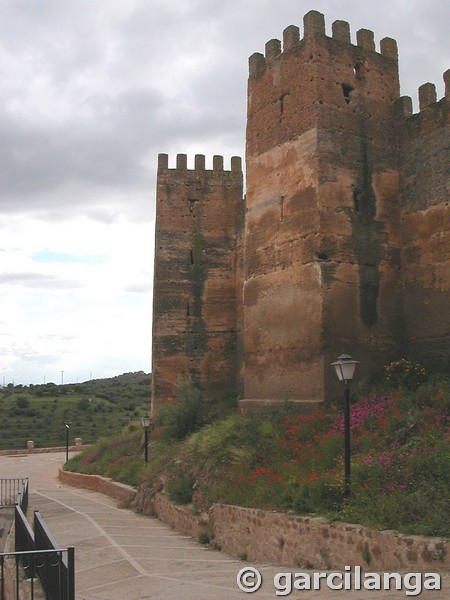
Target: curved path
column 120, row 555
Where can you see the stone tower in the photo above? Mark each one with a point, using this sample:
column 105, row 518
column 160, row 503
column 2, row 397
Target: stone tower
column 322, row 252
column 344, row 243
column 196, row 313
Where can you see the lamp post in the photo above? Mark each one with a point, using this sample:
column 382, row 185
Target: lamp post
column 345, row 369
column 146, row 425
column 67, row 426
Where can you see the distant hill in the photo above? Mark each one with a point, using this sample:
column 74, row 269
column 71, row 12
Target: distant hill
column 95, row 409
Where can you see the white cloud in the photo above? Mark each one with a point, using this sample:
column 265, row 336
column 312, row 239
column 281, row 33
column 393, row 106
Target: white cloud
column 79, row 305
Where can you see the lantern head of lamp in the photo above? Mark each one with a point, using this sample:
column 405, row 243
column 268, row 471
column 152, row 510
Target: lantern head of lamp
column 345, row 368
column 145, row 422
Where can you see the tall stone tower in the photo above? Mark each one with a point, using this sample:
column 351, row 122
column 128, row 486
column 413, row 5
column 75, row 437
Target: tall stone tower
column 322, row 249
column 197, row 311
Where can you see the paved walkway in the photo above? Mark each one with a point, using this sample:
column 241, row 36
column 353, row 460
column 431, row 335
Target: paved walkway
column 120, row 555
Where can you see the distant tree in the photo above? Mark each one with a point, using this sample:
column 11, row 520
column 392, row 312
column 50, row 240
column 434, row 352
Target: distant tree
column 83, row 404
column 22, row 402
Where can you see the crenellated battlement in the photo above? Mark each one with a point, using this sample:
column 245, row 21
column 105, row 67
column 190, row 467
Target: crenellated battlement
column 314, row 26
column 199, row 163
column 427, row 98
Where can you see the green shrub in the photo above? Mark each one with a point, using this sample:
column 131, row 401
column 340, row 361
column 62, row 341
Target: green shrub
column 405, row 373
column 318, row 496
column 181, row 488
column 186, row 416
column 204, row 538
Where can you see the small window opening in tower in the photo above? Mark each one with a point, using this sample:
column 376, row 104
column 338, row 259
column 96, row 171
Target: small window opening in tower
column 347, row 90
column 359, row 70
column 191, row 256
column 282, row 104
column 282, row 208
column 188, row 309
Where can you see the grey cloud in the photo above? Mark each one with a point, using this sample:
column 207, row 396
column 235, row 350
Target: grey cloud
column 156, row 77
column 29, row 354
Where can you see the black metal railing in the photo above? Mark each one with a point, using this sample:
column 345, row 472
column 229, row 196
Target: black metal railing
column 56, row 576
column 37, row 555
column 22, row 496
column 15, row 584
column 24, row 539
column 11, row 490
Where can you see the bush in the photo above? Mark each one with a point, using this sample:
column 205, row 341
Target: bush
column 22, row 402
column 319, row 495
column 405, row 373
column 181, row 488
column 186, row 416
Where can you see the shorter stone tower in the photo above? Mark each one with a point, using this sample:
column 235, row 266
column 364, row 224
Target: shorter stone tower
column 198, row 278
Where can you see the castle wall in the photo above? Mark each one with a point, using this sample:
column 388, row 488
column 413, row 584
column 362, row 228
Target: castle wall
column 196, row 280
column 322, row 255
column 359, row 240
column 425, row 194
column 343, row 243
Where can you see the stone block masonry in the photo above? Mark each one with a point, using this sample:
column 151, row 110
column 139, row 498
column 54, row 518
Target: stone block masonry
column 317, row 544
column 342, row 241
column 196, row 308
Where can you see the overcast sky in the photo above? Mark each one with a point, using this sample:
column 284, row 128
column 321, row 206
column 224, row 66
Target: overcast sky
column 92, row 91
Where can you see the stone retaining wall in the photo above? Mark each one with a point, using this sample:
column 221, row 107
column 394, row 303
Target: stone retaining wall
column 265, row 536
column 104, row 485
column 260, row 535
column 179, row 517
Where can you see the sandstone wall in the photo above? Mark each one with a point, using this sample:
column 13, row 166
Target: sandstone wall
column 196, row 301
column 322, row 247
column 425, row 194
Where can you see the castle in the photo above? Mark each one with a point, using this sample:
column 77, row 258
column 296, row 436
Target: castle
column 342, row 242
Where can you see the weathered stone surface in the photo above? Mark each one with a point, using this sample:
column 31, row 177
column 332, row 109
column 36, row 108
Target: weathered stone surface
column 319, row 544
column 197, row 271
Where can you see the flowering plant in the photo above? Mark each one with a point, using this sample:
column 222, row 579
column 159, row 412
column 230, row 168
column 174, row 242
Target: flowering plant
column 405, row 373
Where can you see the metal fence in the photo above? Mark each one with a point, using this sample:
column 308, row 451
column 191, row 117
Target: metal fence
column 18, row 572
column 22, row 496
column 13, row 491
column 36, row 556
column 56, row 575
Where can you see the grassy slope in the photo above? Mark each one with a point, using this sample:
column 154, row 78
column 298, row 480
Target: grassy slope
column 95, row 409
column 289, row 462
